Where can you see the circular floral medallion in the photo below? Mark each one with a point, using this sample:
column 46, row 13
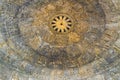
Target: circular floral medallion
column 61, row 24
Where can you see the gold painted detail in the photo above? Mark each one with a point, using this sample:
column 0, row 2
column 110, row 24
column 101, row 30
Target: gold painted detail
column 61, row 23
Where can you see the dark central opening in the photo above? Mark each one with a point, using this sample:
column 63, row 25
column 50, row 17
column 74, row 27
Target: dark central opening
column 61, row 24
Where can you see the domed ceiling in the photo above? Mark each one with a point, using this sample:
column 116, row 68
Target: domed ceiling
column 59, row 40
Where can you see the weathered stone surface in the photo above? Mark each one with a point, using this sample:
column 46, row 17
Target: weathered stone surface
column 30, row 50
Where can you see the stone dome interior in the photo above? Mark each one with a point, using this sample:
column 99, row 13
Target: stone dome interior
column 59, row 40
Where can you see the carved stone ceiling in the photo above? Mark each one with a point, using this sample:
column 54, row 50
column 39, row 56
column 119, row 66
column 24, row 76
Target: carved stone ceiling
column 59, row 40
